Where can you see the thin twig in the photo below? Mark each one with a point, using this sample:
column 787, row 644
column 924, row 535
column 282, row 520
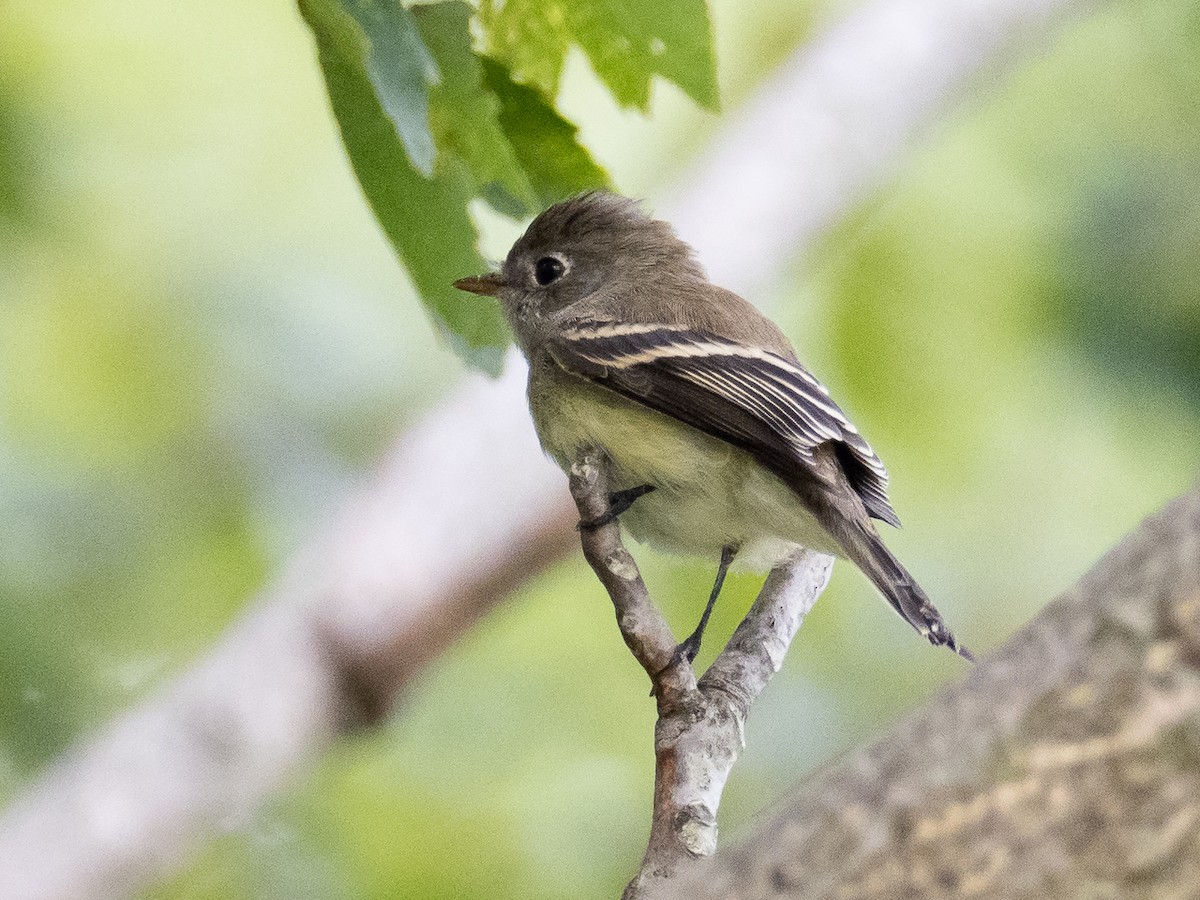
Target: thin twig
column 643, row 627
column 701, row 725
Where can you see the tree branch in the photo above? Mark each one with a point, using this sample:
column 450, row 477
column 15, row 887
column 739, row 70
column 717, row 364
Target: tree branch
column 701, row 725
column 646, row 632
column 1064, row 766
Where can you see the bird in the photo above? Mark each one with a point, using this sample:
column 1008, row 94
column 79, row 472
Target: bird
column 719, row 442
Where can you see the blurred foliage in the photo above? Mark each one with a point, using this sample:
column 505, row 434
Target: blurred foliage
column 205, row 341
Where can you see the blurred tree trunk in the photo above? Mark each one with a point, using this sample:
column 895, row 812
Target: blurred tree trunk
column 1066, row 765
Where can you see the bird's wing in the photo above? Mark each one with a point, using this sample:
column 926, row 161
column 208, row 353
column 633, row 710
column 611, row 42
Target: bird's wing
column 757, row 400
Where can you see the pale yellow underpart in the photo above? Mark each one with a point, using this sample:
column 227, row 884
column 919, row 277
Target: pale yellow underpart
column 708, row 494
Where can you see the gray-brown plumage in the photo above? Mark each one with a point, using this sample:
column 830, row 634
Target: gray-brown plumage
column 692, row 391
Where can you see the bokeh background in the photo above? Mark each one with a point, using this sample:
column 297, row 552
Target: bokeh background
column 205, row 341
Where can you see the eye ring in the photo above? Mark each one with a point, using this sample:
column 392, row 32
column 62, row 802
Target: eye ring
column 548, row 269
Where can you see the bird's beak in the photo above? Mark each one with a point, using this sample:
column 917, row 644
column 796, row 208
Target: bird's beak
column 488, row 285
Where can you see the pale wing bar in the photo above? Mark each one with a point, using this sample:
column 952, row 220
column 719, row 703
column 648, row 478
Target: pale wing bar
column 755, row 399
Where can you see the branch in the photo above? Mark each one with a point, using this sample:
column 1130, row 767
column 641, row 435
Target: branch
column 465, row 508
column 701, row 725
column 1064, row 766
column 646, row 632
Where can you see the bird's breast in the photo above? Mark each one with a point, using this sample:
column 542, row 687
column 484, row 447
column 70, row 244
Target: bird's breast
column 644, row 446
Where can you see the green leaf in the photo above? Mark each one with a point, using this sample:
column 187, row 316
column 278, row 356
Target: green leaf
column 425, row 218
column 545, row 142
column 627, row 42
column 400, row 68
column 531, row 38
column 465, row 113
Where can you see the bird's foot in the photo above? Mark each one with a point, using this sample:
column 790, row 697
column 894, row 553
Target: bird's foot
column 685, row 654
column 687, row 651
column 618, row 502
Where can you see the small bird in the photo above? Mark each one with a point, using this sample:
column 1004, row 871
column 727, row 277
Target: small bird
column 720, row 442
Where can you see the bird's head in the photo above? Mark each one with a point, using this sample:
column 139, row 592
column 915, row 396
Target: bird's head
column 593, row 242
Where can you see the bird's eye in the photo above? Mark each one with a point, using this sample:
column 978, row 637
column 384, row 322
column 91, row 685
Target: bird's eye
column 548, row 269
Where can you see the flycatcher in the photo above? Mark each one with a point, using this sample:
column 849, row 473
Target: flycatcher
column 720, row 442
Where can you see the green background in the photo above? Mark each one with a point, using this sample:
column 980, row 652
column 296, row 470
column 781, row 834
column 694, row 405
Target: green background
column 206, row 339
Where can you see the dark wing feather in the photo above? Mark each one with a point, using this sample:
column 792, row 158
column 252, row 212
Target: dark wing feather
column 755, row 399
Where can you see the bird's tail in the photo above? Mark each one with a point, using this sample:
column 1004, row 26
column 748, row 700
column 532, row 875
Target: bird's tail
column 866, row 549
